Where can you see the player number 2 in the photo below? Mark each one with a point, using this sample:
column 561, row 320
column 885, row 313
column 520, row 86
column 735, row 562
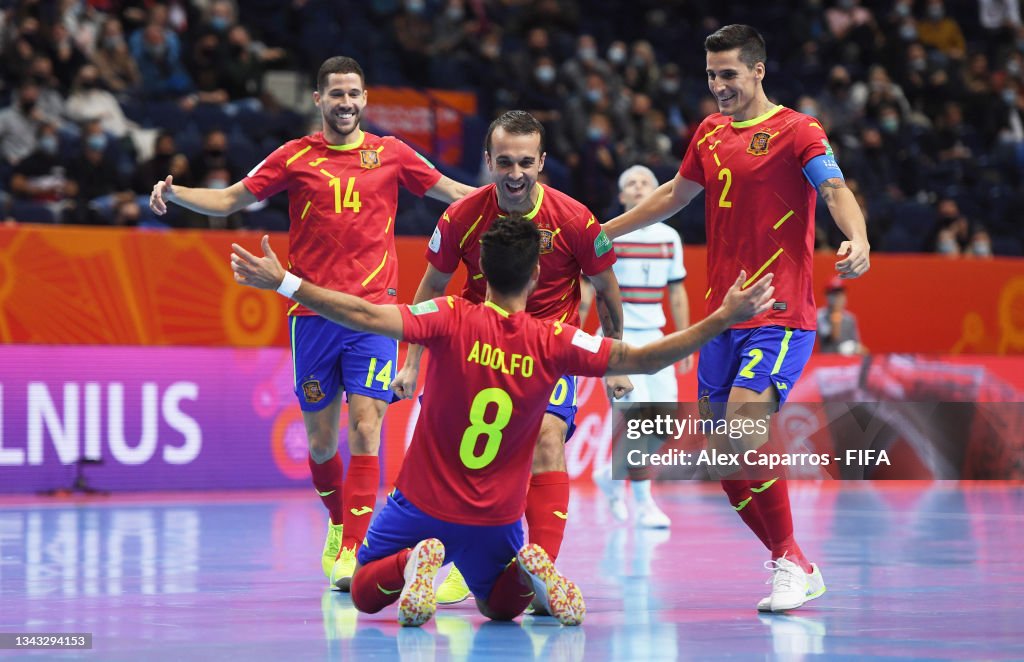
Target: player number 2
column 725, row 174
column 480, row 427
column 384, row 376
column 351, row 199
column 755, row 357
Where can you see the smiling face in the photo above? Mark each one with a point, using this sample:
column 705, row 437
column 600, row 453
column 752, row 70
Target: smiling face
column 515, row 162
column 735, row 86
column 341, row 104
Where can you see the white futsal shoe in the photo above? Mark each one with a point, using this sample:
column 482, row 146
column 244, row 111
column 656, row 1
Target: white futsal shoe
column 791, row 586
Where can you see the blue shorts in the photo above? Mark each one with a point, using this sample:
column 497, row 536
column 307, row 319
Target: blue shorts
column 563, row 403
column 755, row 359
column 328, row 356
column 480, row 552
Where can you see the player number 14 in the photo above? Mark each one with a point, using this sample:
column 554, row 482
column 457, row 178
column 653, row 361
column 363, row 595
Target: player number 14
column 351, row 199
column 480, row 427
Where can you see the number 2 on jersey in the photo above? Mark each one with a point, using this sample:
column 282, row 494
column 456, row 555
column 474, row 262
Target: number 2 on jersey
column 480, row 427
column 351, row 199
column 725, row 174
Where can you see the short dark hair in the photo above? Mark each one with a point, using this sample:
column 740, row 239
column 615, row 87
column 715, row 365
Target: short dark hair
column 339, row 64
column 509, row 251
column 747, row 39
column 517, row 123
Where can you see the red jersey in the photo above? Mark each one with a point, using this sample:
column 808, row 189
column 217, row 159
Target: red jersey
column 487, row 386
column 759, row 207
column 571, row 241
column 341, row 202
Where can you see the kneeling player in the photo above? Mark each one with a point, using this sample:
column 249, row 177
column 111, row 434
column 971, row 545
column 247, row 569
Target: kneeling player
column 457, row 492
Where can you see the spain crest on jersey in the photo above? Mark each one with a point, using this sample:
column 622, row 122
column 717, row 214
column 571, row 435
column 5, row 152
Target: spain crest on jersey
column 369, row 159
column 547, row 241
column 759, row 143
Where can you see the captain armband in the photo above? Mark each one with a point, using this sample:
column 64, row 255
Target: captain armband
column 822, row 168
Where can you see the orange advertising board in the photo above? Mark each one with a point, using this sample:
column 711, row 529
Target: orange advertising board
column 102, row 286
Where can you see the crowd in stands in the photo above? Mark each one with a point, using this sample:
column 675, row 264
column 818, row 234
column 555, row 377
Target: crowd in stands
column 923, row 99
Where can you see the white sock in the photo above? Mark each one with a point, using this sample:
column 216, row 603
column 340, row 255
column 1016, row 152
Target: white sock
column 642, row 491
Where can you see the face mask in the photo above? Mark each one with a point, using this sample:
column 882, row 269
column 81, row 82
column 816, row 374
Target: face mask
column 670, row 85
column 48, row 144
column 1009, row 97
column 918, row 65
column 890, row 124
column 113, row 42
column 903, row 10
column 616, row 55
column 217, row 183
column 588, row 54
column 908, row 32
column 90, row 84
column 846, row 4
column 156, row 50
column 809, row 110
column 96, row 142
column 936, row 13
column 28, row 106
column 1013, row 67
column 981, row 248
column 214, row 153
column 219, row 23
column 595, row 96
column 595, row 133
column 545, row 74
column 947, row 246
column 455, row 13
column 638, row 61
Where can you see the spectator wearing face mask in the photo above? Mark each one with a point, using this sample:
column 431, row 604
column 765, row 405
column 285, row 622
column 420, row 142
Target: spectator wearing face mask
column 838, row 332
column 41, row 179
column 117, row 69
column 20, row 124
column 103, row 196
column 585, row 62
column 157, row 51
column 939, row 31
column 953, row 228
column 89, row 101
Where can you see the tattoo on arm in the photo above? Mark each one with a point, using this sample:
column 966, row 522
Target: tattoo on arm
column 617, row 360
column 611, row 320
column 829, row 187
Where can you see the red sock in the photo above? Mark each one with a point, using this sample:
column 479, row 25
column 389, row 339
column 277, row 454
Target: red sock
column 771, row 505
column 379, row 583
column 327, row 482
column 547, row 509
column 510, row 594
column 360, row 496
column 741, row 499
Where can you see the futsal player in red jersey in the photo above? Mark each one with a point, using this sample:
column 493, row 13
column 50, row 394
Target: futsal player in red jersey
column 342, row 186
column 761, row 166
column 461, row 491
column 572, row 244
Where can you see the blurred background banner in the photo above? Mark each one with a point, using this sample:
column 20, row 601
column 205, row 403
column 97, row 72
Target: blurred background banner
column 157, row 418
column 96, row 286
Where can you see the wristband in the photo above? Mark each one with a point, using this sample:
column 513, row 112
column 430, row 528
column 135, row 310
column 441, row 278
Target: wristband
column 289, row 285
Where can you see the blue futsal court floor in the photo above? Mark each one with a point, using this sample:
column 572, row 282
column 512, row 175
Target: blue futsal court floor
column 914, row 570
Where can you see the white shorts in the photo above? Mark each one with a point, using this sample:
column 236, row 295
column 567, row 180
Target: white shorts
column 662, row 386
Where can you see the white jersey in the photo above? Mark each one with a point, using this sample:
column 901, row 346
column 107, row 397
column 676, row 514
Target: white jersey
column 648, row 259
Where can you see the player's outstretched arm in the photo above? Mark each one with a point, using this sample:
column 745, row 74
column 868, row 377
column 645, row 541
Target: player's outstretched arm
column 209, row 201
column 432, row 285
column 666, row 200
column 266, row 273
column 738, row 306
column 448, row 190
column 855, row 252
